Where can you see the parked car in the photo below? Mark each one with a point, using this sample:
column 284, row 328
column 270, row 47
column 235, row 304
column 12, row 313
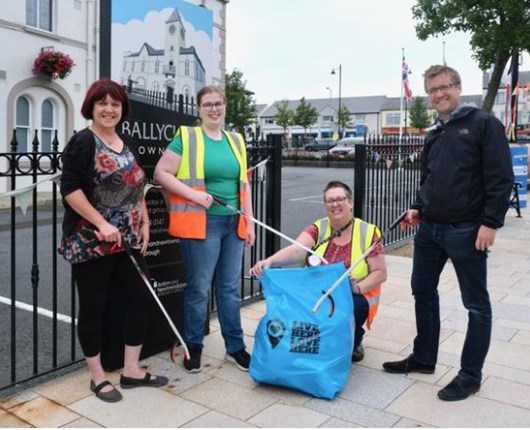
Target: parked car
column 346, row 146
column 320, row 145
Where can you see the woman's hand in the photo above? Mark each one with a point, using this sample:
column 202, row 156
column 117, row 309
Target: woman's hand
column 143, row 237
column 203, row 199
column 109, row 233
column 251, row 235
column 257, row 269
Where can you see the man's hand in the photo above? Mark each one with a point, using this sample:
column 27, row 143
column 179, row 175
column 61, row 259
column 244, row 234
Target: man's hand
column 485, row 238
column 412, row 219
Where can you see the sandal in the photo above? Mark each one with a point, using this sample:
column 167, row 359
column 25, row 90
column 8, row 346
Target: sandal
column 146, row 381
column 111, row 396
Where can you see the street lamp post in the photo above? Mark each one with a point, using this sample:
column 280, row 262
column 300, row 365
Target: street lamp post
column 340, row 93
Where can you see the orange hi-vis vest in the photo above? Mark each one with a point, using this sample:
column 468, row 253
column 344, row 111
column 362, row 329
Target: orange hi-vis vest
column 188, row 221
column 362, row 238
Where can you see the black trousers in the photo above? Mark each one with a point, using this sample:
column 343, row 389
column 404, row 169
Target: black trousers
column 95, row 278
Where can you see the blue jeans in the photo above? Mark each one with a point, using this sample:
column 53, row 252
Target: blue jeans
column 217, row 258
column 433, row 245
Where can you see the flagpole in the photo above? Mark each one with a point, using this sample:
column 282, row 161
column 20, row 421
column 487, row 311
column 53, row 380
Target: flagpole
column 401, row 98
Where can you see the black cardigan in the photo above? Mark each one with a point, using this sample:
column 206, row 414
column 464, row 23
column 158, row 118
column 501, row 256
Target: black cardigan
column 79, row 171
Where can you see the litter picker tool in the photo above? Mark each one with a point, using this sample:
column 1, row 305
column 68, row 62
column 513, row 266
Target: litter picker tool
column 142, row 274
column 356, row 262
column 265, row 226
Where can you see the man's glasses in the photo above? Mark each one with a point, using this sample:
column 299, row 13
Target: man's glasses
column 210, row 106
column 339, row 200
column 442, row 88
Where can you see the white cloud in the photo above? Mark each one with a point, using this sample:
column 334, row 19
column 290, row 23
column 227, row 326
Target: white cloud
column 286, row 49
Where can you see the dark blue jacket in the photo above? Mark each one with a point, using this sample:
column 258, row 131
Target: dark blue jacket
column 467, row 171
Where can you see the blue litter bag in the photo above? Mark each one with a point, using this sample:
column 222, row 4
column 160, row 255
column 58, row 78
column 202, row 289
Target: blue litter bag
column 297, row 348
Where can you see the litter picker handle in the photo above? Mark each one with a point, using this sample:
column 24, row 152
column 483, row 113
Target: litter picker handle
column 265, row 226
column 356, row 262
column 142, row 274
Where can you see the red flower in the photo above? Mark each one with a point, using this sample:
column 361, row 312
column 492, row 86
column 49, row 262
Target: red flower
column 106, row 162
column 53, row 65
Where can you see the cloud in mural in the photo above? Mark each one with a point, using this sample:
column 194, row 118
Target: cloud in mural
column 150, row 29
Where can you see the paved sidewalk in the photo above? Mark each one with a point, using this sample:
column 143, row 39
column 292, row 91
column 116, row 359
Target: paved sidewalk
column 222, row 396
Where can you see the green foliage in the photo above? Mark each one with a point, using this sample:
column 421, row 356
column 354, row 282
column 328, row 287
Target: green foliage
column 497, row 27
column 419, row 114
column 305, row 114
column 344, row 117
column 240, row 105
column 284, row 115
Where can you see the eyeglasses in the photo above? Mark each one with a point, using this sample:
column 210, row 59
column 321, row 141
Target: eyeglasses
column 210, row 106
column 339, row 200
column 442, row 88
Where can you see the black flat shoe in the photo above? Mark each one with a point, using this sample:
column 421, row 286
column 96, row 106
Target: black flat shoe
column 146, row 381
column 111, row 396
column 408, row 365
column 458, row 389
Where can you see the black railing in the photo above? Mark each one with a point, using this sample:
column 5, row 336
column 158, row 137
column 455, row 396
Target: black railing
column 387, row 175
column 38, row 287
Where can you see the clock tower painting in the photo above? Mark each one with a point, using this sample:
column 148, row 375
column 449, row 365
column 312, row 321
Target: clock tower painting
column 162, row 52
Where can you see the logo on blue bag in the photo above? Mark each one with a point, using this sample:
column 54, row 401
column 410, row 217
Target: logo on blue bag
column 305, row 337
column 275, row 331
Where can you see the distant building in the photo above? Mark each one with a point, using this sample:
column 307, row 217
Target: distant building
column 175, row 69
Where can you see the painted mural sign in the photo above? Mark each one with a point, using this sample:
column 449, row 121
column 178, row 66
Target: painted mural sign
column 162, row 52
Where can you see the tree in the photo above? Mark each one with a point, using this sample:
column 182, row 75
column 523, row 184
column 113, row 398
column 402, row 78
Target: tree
column 497, row 28
column 344, row 119
column 284, row 117
column 305, row 114
column 419, row 115
column 240, row 106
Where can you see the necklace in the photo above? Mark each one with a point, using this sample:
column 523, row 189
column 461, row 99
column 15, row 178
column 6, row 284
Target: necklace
column 312, row 259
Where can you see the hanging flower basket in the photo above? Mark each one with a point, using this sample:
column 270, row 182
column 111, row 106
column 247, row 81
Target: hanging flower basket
column 52, row 65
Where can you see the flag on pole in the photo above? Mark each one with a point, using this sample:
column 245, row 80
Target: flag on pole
column 405, row 80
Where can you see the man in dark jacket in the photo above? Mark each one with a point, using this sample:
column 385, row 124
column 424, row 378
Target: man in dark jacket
column 465, row 187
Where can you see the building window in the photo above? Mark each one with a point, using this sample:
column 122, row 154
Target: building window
column 328, row 118
column 393, row 119
column 39, row 14
column 359, row 117
column 269, row 121
column 47, row 126
column 501, row 97
column 157, row 66
column 22, row 124
column 155, row 86
column 187, row 68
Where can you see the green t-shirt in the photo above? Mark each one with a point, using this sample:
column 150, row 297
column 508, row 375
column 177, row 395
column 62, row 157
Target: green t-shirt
column 221, row 171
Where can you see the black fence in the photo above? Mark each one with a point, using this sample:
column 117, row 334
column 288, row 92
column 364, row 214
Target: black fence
column 37, row 291
column 387, row 176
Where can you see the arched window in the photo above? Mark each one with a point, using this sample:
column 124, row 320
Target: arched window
column 22, row 124
column 47, row 125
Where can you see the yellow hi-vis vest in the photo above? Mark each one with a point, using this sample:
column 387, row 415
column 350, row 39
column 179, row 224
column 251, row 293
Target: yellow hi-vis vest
column 188, row 221
column 361, row 240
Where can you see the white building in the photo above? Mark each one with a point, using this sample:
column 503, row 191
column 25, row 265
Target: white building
column 30, row 104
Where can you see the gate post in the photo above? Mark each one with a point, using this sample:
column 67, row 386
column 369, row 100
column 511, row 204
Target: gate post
column 273, row 194
column 359, row 182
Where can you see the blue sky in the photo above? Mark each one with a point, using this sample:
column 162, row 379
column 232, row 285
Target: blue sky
column 125, row 10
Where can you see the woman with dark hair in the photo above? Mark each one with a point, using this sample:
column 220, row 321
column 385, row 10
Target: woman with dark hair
column 102, row 189
column 199, row 164
column 339, row 237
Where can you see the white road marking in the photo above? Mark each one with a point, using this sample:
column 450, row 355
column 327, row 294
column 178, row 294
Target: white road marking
column 40, row 311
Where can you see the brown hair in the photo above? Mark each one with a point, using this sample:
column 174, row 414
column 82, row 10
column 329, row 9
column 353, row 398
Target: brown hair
column 99, row 90
column 209, row 89
column 339, row 184
column 438, row 69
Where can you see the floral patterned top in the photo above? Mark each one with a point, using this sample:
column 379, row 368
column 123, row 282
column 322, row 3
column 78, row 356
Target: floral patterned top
column 117, row 195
